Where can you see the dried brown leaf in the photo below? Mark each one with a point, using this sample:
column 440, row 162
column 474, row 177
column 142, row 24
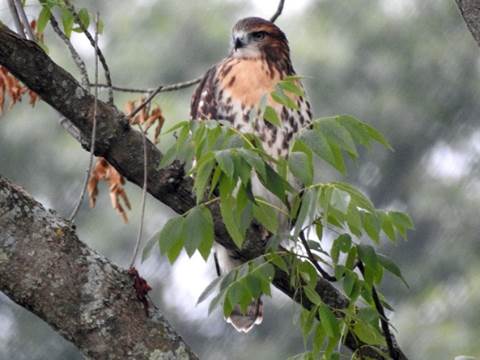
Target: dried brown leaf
column 103, row 171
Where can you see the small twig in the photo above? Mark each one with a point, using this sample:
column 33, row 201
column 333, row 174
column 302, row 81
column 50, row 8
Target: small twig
column 23, row 17
column 383, row 318
column 278, row 12
column 145, row 173
column 94, row 130
column 146, row 102
column 144, row 196
column 16, row 19
column 312, row 259
column 106, row 70
column 165, row 88
column 217, row 264
column 75, row 56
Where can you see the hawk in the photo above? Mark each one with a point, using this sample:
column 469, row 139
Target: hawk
column 231, row 90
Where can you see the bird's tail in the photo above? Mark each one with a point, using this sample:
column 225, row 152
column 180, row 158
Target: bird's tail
column 244, row 322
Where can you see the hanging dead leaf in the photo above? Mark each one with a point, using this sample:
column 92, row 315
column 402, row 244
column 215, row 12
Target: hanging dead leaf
column 14, row 89
column 147, row 117
column 103, row 171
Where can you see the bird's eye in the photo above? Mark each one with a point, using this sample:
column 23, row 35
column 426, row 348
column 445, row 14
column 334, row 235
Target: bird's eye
column 259, row 35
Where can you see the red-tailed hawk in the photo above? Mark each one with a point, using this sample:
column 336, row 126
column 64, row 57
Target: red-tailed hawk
column 231, row 90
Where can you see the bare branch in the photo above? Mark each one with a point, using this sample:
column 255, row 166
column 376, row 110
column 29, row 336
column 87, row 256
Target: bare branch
column 75, row 56
column 94, row 130
column 16, row 19
column 312, row 259
column 275, row 16
column 394, row 354
column 23, row 17
column 164, row 88
column 470, row 11
column 106, row 69
column 80, row 293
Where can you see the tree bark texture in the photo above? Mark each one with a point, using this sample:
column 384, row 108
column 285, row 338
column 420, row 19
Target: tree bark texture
column 123, row 148
column 88, row 300
column 470, row 10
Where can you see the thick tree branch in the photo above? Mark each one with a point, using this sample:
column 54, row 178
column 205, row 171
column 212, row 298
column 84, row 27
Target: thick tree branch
column 122, row 147
column 86, row 298
column 470, row 10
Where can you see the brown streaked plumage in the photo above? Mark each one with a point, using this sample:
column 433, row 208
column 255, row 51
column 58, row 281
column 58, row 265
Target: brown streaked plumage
column 231, row 90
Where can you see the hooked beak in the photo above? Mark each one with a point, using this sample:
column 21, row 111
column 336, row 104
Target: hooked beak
column 238, row 43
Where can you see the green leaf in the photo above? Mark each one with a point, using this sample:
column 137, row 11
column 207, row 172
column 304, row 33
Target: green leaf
column 351, row 258
column 336, row 133
column 301, row 167
column 179, row 125
column 329, row 321
column 340, row 200
column 307, row 320
column 319, row 230
column 387, row 226
column 278, row 261
column 402, row 222
column 254, row 285
column 171, row 238
column 215, row 301
column 312, row 295
column 371, row 226
column 168, row 157
column 307, row 211
column 276, row 184
column 389, row 265
column 308, row 273
column 353, row 218
column 215, row 179
column 224, row 160
column 67, row 21
column 349, row 282
column 360, row 199
column 100, row 26
column 271, row 116
column 289, row 85
column 338, row 161
column 341, row 243
column 255, row 161
column 362, row 132
column 227, row 208
column 318, row 144
column 368, row 256
column 208, row 290
column 199, row 231
column 227, row 306
column 84, row 18
column 279, row 97
column 242, row 170
column 318, row 339
column 239, row 294
column 266, row 216
column 368, row 333
column 204, row 169
column 43, row 18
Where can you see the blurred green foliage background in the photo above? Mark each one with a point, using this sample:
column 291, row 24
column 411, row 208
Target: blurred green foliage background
column 408, row 67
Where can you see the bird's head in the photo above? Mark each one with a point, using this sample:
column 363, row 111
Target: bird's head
column 255, row 37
